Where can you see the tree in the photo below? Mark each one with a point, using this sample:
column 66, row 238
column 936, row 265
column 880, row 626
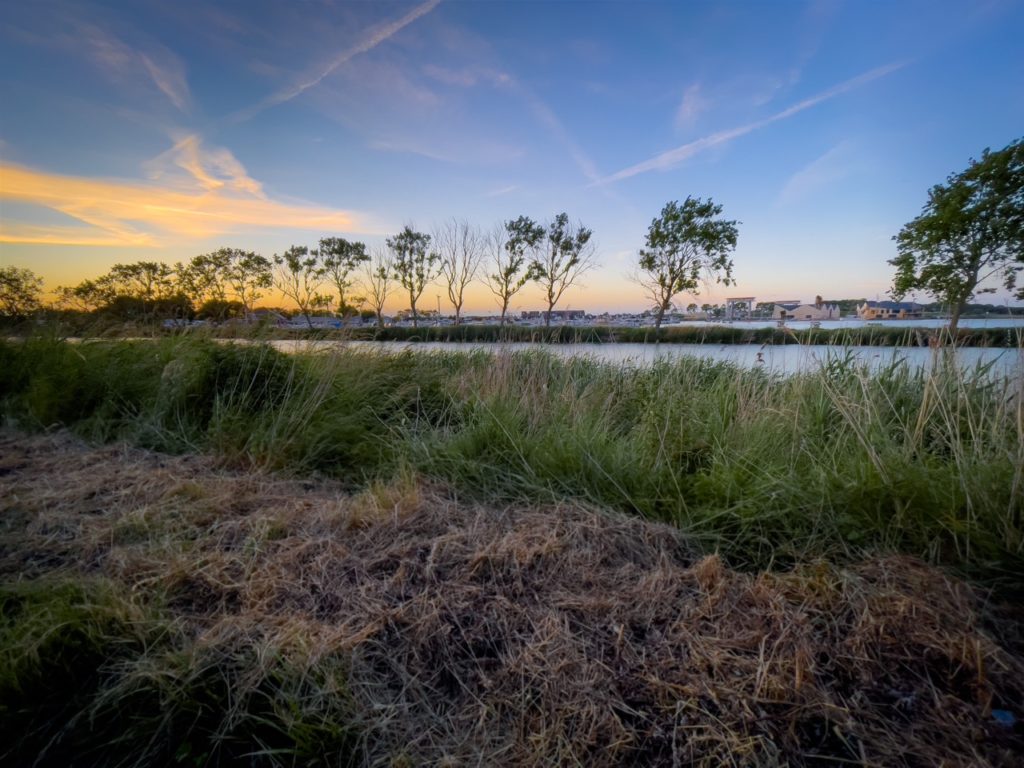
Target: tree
column 685, row 246
column 512, row 247
column 377, row 282
column 87, row 296
column 20, row 290
column 248, row 274
column 567, row 254
column 204, row 278
column 414, row 264
column 341, row 258
column 299, row 275
column 970, row 230
column 144, row 280
column 460, row 247
column 142, row 290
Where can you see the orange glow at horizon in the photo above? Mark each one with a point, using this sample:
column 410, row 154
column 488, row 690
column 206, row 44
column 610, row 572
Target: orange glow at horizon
column 139, row 214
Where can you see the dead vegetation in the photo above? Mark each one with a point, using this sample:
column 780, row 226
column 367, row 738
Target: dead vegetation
column 524, row 636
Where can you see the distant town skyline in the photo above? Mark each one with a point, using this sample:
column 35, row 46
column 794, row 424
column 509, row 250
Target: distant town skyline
column 156, row 131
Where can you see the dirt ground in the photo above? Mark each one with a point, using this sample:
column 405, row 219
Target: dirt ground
column 476, row 635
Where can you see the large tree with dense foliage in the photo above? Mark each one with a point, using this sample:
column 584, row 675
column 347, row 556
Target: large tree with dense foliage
column 341, row 258
column 20, row 290
column 687, row 245
column 560, row 262
column 414, row 263
column 970, row 231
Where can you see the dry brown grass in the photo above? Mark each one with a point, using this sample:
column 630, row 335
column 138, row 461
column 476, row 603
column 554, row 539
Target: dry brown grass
column 554, row 636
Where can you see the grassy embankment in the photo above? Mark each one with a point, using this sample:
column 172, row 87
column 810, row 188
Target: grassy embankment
column 757, row 466
column 768, row 471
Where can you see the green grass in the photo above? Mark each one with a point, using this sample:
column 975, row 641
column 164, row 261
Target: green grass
column 872, row 335
column 89, row 676
column 766, row 469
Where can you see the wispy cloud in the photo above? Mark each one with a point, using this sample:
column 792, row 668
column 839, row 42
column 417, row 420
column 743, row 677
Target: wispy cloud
column 169, row 80
column 376, row 36
column 673, row 157
column 215, row 197
column 471, row 76
column 213, row 168
column 125, row 62
column 502, row 191
column 409, row 148
column 694, row 103
column 830, row 167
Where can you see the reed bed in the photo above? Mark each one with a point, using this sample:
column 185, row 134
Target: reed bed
column 764, row 469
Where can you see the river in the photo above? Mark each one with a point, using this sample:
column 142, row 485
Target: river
column 789, row 358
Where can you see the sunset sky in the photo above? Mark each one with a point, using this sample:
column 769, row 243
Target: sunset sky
column 160, row 130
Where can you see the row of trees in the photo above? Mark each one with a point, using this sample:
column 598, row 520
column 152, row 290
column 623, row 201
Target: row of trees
column 687, row 245
column 971, row 230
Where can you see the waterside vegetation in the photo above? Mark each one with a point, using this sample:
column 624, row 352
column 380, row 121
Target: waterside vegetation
column 469, row 558
column 760, row 467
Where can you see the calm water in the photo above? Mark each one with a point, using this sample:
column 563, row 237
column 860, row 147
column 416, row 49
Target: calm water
column 782, row 359
column 796, row 325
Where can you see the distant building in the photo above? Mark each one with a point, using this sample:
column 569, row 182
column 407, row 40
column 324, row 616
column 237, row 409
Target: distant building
column 557, row 314
column 796, row 311
column 889, row 310
column 315, row 321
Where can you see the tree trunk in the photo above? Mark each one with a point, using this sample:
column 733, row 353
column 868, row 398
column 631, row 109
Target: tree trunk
column 954, row 319
column 659, row 317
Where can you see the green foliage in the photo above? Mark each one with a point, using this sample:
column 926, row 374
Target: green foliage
column 764, row 468
column 20, row 290
column 870, row 335
column 341, row 258
column 414, row 263
column 90, row 677
column 971, row 230
column 513, row 249
column 567, row 255
column 299, row 275
column 688, row 243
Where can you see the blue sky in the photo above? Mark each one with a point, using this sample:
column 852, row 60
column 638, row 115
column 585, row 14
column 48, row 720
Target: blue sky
column 154, row 130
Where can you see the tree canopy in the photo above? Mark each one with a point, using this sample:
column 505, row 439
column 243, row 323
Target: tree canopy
column 686, row 245
column 20, row 290
column 414, row 263
column 567, row 255
column 341, row 258
column 970, row 231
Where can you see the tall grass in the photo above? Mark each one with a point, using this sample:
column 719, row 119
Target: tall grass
column 870, row 335
column 761, row 467
column 90, row 675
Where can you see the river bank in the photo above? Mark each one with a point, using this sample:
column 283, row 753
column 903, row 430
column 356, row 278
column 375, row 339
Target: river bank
column 162, row 610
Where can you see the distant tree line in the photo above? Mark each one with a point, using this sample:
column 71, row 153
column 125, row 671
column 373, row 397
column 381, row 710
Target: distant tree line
column 970, row 231
column 684, row 246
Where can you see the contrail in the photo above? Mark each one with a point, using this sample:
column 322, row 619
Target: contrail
column 672, row 157
column 372, row 41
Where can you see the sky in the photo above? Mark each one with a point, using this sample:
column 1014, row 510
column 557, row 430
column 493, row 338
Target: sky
column 157, row 131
